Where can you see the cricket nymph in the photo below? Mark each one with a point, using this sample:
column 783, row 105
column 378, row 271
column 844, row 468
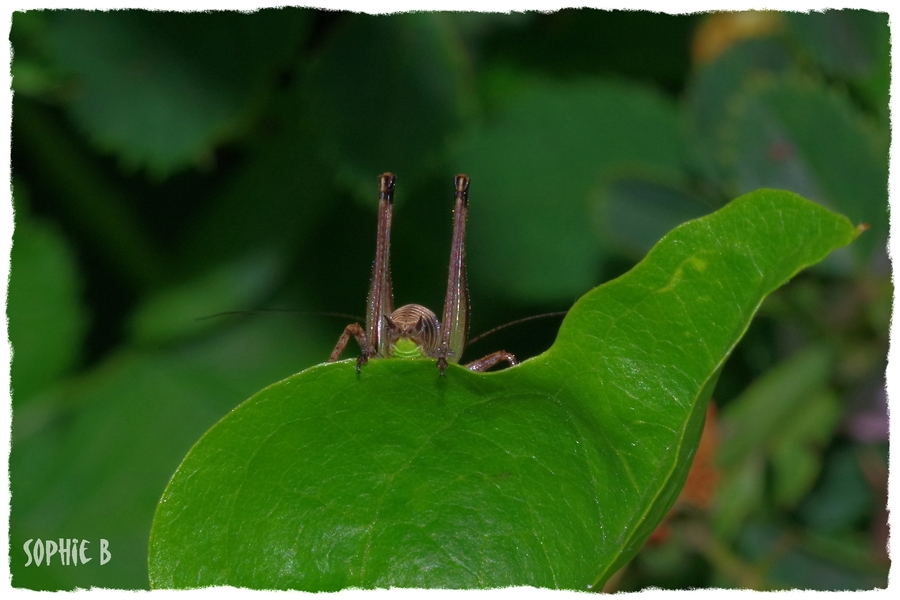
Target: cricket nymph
column 413, row 331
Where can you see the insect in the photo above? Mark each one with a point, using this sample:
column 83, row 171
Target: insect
column 413, row 331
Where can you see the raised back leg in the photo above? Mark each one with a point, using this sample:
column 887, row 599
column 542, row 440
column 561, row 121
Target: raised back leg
column 381, row 293
column 371, row 340
column 455, row 321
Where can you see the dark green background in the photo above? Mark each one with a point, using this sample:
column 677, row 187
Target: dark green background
column 167, row 167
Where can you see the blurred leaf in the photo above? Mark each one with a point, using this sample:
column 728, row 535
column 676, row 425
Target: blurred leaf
column 797, row 454
column 719, row 31
column 32, row 78
column 851, row 44
column 793, row 561
column 712, row 88
column 760, row 416
column 85, row 196
column 781, row 419
column 635, row 213
column 645, row 46
column 794, row 134
column 742, row 488
column 384, row 94
column 181, row 311
column 47, row 321
column 852, row 550
column 30, row 70
column 92, row 458
column 533, row 166
column 842, row 498
column 714, row 84
column 844, row 43
column 271, row 203
column 162, row 89
column 552, row 473
column 473, row 27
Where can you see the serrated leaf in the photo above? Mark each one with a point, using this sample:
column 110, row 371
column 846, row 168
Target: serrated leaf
column 162, row 89
column 549, row 474
column 713, row 86
column 850, row 44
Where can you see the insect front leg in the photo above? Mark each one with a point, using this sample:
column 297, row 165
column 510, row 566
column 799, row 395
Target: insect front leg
column 485, row 363
column 355, row 330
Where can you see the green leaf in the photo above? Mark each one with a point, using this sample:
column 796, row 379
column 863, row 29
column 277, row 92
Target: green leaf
column 796, row 559
column 798, row 135
column 534, row 165
column 636, row 213
column 183, row 310
column 741, row 490
column 91, row 457
column 47, row 322
column 550, row 474
column 854, row 45
column 31, row 74
column 797, row 455
column 845, row 43
column 162, row 89
column 573, row 43
column 783, row 419
column 272, row 202
column 843, row 496
column 385, row 93
column 713, row 86
column 756, row 419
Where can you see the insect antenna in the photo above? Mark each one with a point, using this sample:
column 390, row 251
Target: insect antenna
column 305, row 313
column 516, row 322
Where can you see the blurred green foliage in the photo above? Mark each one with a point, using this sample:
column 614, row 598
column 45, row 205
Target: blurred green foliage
column 167, row 167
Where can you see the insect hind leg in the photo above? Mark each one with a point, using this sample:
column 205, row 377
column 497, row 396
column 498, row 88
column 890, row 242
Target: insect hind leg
column 486, row 362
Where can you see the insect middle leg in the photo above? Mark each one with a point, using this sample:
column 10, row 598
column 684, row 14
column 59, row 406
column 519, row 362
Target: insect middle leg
column 486, row 362
column 355, row 330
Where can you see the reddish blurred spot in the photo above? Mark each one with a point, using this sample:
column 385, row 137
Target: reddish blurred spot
column 780, row 151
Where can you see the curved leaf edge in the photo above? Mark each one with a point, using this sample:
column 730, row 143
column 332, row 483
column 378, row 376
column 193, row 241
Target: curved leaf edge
column 689, row 434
